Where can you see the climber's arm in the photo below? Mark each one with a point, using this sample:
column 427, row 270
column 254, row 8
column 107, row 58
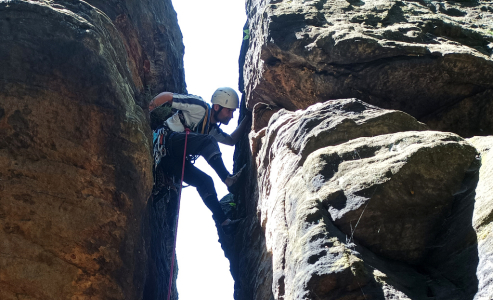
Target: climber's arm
column 240, row 130
column 233, row 138
column 164, row 97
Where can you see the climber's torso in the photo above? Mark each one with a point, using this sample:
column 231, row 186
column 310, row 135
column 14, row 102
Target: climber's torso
column 195, row 115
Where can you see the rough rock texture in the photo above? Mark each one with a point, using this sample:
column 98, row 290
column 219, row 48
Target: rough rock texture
column 431, row 59
column 346, row 200
column 159, row 223
column 356, row 202
column 75, row 163
column 482, row 216
column 153, row 41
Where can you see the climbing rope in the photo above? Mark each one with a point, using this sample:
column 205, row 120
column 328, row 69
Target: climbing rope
column 178, row 214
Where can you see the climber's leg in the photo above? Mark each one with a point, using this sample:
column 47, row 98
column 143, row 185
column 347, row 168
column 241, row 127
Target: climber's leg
column 205, row 186
column 197, row 144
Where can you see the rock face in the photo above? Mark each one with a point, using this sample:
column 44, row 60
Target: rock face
column 352, row 192
column 75, row 163
column 357, row 202
column 431, row 59
column 483, row 212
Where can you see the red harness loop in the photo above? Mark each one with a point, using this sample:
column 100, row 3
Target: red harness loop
column 178, row 213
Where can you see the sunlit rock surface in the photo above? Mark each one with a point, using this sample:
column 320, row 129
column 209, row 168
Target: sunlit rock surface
column 346, row 198
column 482, row 217
column 75, row 157
column 431, row 59
column 352, row 201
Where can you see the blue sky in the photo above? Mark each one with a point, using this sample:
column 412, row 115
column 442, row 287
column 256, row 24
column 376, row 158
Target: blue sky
column 212, row 33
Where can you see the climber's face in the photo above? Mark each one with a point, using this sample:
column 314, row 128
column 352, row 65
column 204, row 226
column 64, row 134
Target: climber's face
column 224, row 115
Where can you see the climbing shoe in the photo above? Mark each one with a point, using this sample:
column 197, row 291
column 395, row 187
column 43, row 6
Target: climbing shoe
column 232, row 181
column 231, row 228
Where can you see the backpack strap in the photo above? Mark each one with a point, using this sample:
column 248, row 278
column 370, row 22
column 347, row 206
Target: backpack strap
column 202, row 126
column 182, row 119
column 205, row 120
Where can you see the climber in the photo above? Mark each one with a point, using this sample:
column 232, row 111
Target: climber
column 202, row 120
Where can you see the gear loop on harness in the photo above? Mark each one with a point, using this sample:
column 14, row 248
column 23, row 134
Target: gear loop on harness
column 159, row 138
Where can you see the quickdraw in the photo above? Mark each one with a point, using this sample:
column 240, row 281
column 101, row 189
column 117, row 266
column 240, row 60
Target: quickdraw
column 159, row 142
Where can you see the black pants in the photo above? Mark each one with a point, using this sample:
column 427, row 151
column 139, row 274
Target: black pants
column 197, row 144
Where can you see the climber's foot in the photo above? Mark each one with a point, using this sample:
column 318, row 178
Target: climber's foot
column 231, row 181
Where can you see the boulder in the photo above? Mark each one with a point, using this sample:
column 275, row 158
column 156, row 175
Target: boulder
column 430, row 59
column 349, row 203
column 333, row 122
column 395, row 188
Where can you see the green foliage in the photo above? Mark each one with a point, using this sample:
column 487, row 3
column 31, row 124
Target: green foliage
column 246, row 33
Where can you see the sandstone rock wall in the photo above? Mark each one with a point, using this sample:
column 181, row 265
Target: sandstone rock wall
column 353, row 201
column 431, row 59
column 350, row 199
column 153, row 41
column 481, row 217
column 75, row 163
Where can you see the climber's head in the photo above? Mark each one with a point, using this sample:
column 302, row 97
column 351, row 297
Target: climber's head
column 224, row 103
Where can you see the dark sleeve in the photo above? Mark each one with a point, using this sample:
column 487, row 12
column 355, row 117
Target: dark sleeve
column 221, row 136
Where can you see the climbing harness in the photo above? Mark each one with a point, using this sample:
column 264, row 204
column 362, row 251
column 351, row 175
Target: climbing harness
column 178, row 214
column 160, row 135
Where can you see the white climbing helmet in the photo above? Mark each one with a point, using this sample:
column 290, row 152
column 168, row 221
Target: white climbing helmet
column 226, row 97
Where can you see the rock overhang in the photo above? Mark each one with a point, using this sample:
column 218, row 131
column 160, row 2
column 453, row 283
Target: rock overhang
column 400, row 55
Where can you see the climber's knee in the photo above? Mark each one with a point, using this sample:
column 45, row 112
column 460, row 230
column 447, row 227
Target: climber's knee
column 206, row 187
column 210, row 148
